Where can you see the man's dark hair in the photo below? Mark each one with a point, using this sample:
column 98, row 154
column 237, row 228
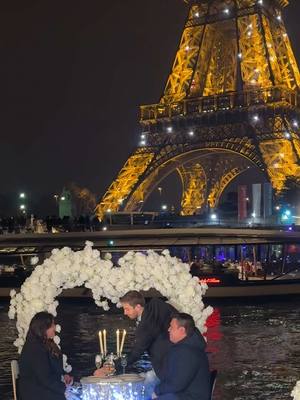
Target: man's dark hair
column 186, row 321
column 133, row 298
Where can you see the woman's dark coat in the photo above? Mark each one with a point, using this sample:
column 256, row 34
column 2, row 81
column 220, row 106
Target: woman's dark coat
column 40, row 373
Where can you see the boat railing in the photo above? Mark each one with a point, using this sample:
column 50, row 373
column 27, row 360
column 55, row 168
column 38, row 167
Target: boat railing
column 286, row 273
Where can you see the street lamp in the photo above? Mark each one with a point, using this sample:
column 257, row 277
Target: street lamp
column 21, row 203
column 164, row 207
column 23, row 208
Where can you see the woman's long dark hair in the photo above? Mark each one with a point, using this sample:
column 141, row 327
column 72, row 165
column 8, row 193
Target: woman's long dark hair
column 37, row 330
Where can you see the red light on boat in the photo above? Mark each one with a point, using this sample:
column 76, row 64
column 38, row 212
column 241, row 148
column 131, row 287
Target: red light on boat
column 210, row 280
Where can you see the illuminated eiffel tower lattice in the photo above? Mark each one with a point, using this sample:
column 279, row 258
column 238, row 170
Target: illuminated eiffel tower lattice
column 231, row 102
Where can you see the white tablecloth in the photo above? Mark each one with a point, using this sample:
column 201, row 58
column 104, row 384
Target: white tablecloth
column 120, row 387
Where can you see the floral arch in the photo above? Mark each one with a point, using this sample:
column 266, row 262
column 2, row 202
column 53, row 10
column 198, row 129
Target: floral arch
column 66, row 269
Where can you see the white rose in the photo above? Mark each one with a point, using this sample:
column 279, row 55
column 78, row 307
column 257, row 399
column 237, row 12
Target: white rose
column 37, row 304
column 296, row 391
column 34, row 260
column 128, row 256
column 107, row 256
column 56, row 339
column 11, row 313
column 68, row 368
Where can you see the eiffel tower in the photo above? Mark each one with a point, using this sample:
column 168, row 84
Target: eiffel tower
column 231, row 102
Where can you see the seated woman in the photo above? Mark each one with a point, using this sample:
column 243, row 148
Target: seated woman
column 41, row 367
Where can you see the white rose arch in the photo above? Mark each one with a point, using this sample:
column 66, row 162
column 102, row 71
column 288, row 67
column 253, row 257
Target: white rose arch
column 66, row 269
column 296, row 392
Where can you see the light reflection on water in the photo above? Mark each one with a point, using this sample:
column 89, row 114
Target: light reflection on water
column 255, row 348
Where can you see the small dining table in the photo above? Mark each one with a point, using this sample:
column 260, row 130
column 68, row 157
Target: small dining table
column 116, row 387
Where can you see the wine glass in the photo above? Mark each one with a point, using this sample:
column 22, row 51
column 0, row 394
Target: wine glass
column 98, row 361
column 124, row 362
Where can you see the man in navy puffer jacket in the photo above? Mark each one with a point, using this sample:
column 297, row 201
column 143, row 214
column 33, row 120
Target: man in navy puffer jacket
column 185, row 375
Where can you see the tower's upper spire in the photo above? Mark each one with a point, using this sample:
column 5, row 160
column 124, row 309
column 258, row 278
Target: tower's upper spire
column 229, row 46
column 282, row 3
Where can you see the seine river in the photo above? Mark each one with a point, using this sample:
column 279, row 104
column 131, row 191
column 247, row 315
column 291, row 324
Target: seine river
column 254, row 347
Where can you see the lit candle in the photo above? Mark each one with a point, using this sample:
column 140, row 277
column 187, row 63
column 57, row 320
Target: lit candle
column 104, row 342
column 123, row 340
column 101, row 342
column 118, row 342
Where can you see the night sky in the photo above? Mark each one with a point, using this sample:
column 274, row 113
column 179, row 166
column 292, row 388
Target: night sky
column 73, row 74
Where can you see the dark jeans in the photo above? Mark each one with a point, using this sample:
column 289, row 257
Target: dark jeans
column 168, row 396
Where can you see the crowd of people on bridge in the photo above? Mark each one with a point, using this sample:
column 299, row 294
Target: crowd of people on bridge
column 50, row 224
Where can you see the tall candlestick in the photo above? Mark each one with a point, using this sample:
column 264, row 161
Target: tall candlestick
column 118, row 342
column 123, row 340
column 104, row 342
column 101, row 342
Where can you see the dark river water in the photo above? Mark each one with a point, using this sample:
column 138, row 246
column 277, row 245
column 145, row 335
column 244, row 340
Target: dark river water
column 254, row 346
